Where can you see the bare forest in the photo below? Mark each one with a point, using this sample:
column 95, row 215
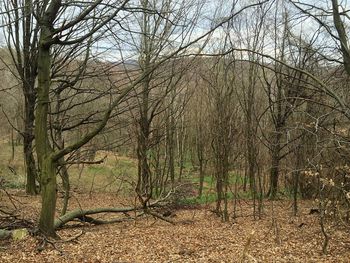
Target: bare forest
column 174, row 131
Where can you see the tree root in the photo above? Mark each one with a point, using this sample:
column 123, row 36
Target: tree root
column 45, row 241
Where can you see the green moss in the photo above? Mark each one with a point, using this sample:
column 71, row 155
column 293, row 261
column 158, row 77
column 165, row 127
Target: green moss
column 19, row 234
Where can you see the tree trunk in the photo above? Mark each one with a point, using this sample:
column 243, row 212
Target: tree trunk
column 63, row 171
column 250, row 140
column 219, row 192
column 201, row 177
column 31, row 173
column 28, row 137
column 343, row 38
column 28, row 80
column 170, row 144
column 275, row 156
column 225, row 195
column 66, row 185
column 43, row 148
column 143, row 186
column 296, row 176
column 144, row 175
column 181, row 147
column 274, row 174
column 48, row 196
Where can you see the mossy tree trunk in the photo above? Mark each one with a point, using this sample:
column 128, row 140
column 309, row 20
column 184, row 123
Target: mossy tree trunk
column 44, row 151
column 48, row 158
column 48, row 193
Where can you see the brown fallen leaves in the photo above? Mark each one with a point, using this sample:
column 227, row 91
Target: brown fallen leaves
column 204, row 239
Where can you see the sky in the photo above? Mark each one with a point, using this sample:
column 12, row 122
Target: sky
column 123, row 45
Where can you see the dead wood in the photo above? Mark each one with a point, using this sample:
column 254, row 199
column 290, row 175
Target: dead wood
column 82, row 214
column 156, row 215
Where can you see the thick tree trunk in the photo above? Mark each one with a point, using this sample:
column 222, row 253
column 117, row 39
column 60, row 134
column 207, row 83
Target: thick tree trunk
column 274, row 179
column 44, row 151
column 48, row 196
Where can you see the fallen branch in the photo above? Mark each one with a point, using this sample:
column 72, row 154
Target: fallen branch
column 79, row 213
column 71, row 238
column 154, row 214
column 10, row 220
column 83, row 214
column 91, row 220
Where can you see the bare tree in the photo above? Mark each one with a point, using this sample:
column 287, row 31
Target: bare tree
column 52, row 33
column 156, row 95
column 21, row 33
column 220, row 94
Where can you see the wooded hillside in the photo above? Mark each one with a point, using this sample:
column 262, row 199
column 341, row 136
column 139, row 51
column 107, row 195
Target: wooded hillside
column 222, row 125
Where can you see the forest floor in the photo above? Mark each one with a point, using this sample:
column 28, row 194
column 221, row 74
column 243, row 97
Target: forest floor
column 197, row 236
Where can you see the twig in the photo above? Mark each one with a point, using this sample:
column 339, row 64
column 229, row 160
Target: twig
column 10, row 197
column 71, row 238
column 246, row 247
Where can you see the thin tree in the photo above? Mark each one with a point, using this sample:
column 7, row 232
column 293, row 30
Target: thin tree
column 21, row 33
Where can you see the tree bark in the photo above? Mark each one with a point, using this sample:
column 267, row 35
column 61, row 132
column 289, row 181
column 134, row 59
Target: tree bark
column 343, row 38
column 44, row 151
column 30, row 71
column 201, row 177
column 275, row 163
column 48, row 194
column 28, row 137
column 79, row 213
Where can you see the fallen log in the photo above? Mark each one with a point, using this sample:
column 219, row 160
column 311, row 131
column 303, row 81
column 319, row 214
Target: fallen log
column 154, row 214
column 81, row 214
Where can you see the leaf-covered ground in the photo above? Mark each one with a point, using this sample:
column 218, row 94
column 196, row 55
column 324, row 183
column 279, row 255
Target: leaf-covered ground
column 198, row 236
